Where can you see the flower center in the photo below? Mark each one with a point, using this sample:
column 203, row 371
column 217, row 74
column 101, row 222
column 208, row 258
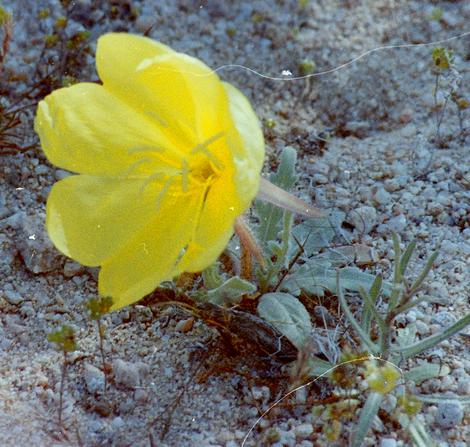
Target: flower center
column 197, row 170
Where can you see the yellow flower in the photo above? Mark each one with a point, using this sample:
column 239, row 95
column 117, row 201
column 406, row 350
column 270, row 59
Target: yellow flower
column 167, row 155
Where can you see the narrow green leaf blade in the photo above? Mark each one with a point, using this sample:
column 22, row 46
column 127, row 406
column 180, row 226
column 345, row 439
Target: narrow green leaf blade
column 368, row 413
column 430, row 342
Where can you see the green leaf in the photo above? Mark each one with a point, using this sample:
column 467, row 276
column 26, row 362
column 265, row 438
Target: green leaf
column 430, row 342
column 230, row 292
column 406, row 336
column 427, row 371
column 419, row 435
column 313, row 235
column 405, row 259
column 212, row 277
column 442, row 58
column 288, row 315
column 64, row 339
column 368, row 413
column 99, row 306
column 270, row 216
column 317, row 367
column 369, row 309
column 367, row 342
column 433, row 399
column 422, row 276
column 316, row 276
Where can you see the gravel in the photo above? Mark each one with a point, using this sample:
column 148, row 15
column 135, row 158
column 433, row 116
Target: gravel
column 449, row 414
column 376, row 159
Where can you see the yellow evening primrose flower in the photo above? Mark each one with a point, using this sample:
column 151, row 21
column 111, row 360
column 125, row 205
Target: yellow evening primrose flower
column 167, row 157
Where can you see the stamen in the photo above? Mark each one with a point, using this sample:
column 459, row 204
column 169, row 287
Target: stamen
column 163, row 155
column 134, row 166
column 202, row 147
column 149, row 148
column 164, row 190
column 185, row 175
column 157, row 118
column 150, row 179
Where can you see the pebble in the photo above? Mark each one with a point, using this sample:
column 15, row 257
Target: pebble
column 117, row 423
column 358, row 128
column 396, row 224
column 303, row 431
column 357, row 124
column 261, row 393
column 185, row 325
column 382, row 197
column 320, row 179
column 388, row 442
column 141, row 395
column 4, row 211
column 60, row 174
column 126, row 373
column 363, row 219
column 389, row 403
column 320, row 168
column 449, row 247
column 463, row 387
column 449, row 414
column 94, row 379
column 409, row 130
column 144, row 23
column 443, row 318
column 13, row 297
column 421, row 328
column 72, row 268
column 41, row 169
column 35, row 247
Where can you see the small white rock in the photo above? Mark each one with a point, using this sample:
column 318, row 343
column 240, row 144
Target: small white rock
column 126, row 373
column 94, row 379
column 13, row 297
column 388, row 442
column 397, row 224
column 449, row 414
column 117, row 423
column 303, row 431
column 72, row 268
column 382, row 197
column 364, row 219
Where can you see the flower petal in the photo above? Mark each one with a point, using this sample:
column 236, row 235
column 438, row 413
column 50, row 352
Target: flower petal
column 90, row 218
column 215, row 226
column 119, row 54
column 85, row 129
column 179, row 92
column 248, row 154
column 151, row 257
column 233, row 193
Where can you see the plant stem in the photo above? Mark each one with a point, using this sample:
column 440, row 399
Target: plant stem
column 101, row 338
column 62, row 385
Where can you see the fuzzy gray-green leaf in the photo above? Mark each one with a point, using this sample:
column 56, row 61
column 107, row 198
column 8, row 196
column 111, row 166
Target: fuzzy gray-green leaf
column 368, row 413
column 315, row 277
column 426, row 371
column 433, row 340
column 270, row 216
column 230, row 292
column 288, row 315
